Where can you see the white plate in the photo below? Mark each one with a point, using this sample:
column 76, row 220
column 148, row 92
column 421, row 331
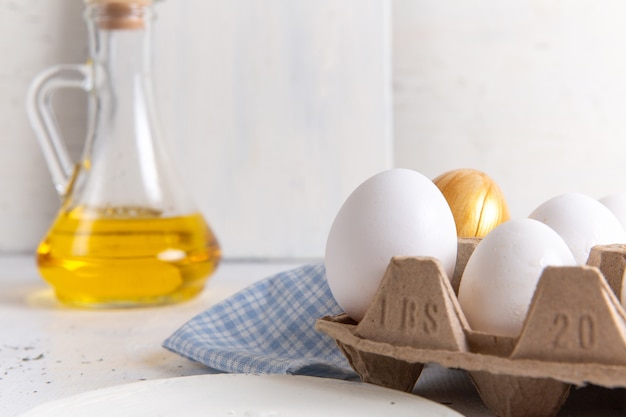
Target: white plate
column 239, row 395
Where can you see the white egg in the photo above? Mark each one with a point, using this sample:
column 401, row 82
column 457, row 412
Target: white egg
column 617, row 204
column 500, row 277
column 398, row 212
column 582, row 222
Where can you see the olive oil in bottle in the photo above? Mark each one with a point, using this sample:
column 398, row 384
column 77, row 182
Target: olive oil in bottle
column 93, row 260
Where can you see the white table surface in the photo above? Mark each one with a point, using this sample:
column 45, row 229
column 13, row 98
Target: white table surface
column 48, row 351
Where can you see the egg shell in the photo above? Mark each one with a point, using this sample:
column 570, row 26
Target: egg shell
column 398, row 212
column 501, row 275
column 582, row 222
column 477, row 202
column 617, row 204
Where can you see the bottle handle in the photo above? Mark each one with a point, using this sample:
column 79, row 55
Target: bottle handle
column 44, row 123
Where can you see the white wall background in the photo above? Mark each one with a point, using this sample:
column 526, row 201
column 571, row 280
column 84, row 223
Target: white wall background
column 277, row 109
column 531, row 92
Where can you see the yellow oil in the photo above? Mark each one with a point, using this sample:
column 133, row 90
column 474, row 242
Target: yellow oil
column 128, row 257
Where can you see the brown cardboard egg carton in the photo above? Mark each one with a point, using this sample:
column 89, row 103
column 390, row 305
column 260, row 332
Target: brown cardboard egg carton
column 574, row 333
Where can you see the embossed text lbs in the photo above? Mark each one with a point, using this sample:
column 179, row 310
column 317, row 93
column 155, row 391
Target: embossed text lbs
column 414, row 314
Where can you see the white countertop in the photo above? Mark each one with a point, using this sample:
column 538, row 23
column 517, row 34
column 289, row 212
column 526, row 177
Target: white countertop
column 48, row 351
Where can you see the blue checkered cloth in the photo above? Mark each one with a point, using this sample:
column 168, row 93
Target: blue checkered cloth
column 268, row 328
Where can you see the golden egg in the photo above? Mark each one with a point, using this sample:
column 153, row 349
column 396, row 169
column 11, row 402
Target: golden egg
column 476, row 201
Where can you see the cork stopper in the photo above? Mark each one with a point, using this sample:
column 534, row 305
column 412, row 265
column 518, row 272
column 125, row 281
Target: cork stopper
column 120, row 14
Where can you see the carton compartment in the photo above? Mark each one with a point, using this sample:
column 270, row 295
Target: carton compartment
column 574, row 333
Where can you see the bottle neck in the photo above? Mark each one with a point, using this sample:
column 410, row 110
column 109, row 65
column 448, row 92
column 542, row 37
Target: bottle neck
column 120, row 39
column 125, row 161
column 122, row 102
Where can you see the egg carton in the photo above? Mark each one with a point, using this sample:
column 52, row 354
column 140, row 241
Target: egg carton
column 574, row 333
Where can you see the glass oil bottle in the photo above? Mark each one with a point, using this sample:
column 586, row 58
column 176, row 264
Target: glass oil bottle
column 127, row 234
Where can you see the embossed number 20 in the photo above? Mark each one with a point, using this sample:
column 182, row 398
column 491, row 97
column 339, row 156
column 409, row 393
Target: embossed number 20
column 584, row 330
